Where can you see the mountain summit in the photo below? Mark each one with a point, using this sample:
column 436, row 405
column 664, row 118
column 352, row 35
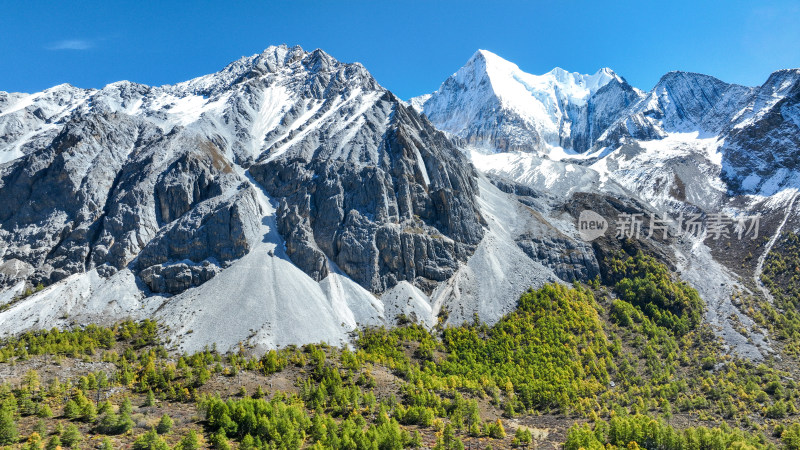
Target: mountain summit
column 493, row 105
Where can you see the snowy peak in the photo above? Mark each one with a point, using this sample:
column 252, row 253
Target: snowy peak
column 509, row 82
column 684, row 99
column 275, row 60
column 781, row 82
column 495, row 106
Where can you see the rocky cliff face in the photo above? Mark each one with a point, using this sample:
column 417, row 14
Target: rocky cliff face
column 407, row 213
column 147, row 177
column 760, row 151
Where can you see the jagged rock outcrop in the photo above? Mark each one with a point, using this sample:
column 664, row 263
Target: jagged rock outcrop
column 406, row 213
column 761, row 145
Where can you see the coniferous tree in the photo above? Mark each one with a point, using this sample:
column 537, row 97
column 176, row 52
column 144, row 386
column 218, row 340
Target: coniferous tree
column 189, row 442
column 72, row 436
column 8, row 427
column 54, row 443
column 106, row 444
column 164, row 424
column 150, row 441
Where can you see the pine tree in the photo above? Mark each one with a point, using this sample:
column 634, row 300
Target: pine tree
column 88, row 412
column 109, row 423
column 150, row 441
column 71, row 410
column 508, row 409
column 104, row 407
column 34, row 442
column 8, row 427
column 220, row 440
column 496, row 430
column 189, row 442
column 54, row 443
column 72, row 436
column 791, row 437
column 44, row 411
column 126, row 407
column 151, row 399
column 259, row 392
column 522, row 437
column 248, row 443
column 40, row 427
column 31, row 381
column 165, row 424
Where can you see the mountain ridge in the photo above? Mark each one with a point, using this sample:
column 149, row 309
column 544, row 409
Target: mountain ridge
column 316, row 202
column 287, row 175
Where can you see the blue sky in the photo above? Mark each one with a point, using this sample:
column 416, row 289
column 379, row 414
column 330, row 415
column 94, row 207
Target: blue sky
column 410, row 47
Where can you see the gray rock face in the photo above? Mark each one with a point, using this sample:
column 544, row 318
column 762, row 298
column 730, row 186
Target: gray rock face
column 153, row 179
column 590, row 121
column 99, row 193
column 680, row 102
column 178, row 277
column 214, row 233
column 760, row 150
column 54, row 198
column 569, row 258
column 409, row 214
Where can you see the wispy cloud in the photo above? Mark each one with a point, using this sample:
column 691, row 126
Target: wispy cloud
column 71, row 44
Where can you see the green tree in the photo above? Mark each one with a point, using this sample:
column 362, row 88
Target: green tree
column 151, row 399
column 34, row 442
column 791, row 437
column 106, row 444
column 522, row 437
column 496, row 430
column 71, row 410
column 8, row 427
column 248, row 443
column 165, row 424
column 44, row 411
column 189, row 442
column 40, row 427
column 150, row 441
column 72, row 436
column 220, row 440
column 53, row 443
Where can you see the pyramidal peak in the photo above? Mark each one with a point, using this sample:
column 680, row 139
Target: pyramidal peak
column 508, row 80
column 490, row 90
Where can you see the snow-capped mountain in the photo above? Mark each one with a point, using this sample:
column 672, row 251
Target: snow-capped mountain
column 289, row 198
column 743, row 139
column 493, row 105
column 692, row 144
